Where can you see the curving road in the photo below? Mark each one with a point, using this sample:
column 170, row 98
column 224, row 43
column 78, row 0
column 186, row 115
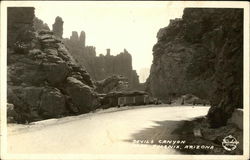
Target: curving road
column 108, row 131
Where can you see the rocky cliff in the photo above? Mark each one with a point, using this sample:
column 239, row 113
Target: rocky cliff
column 103, row 66
column 44, row 81
column 201, row 54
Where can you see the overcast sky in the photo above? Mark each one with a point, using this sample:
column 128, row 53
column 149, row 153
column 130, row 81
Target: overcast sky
column 114, row 25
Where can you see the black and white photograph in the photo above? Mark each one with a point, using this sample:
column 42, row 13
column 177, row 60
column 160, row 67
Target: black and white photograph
column 124, row 80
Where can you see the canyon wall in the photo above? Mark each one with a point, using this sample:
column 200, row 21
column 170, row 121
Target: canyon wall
column 102, row 66
column 43, row 79
column 201, row 53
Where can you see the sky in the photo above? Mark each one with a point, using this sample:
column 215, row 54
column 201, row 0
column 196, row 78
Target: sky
column 114, row 25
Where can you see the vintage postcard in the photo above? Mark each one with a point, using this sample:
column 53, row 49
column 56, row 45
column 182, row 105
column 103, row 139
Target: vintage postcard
column 124, row 80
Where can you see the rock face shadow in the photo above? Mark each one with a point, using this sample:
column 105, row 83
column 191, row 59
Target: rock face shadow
column 179, row 135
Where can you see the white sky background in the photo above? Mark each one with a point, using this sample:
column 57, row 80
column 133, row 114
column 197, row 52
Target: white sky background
column 114, row 25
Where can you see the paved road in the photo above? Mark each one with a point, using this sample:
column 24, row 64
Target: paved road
column 103, row 132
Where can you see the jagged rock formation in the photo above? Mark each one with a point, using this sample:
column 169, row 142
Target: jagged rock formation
column 202, row 54
column 103, row 66
column 111, row 84
column 40, row 25
column 82, row 38
column 44, row 81
column 58, row 27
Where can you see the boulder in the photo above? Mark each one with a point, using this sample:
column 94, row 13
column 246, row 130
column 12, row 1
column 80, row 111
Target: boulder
column 52, row 103
column 82, row 95
column 26, row 101
column 56, row 72
column 32, row 96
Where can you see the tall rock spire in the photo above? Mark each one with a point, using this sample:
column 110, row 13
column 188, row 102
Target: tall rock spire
column 74, row 36
column 58, row 27
column 82, row 38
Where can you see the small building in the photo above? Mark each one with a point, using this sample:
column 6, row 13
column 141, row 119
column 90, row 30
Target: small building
column 126, row 98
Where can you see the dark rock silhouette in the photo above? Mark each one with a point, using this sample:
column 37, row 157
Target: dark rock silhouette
column 58, row 27
column 102, row 66
column 44, row 81
column 40, row 25
column 201, row 54
column 21, row 26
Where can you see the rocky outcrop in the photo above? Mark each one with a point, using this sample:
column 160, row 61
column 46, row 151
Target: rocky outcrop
column 111, row 84
column 169, row 72
column 82, row 38
column 40, row 25
column 201, row 54
column 103, row 66
column 44, row 81
column 58, row 27
column 81, row 95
